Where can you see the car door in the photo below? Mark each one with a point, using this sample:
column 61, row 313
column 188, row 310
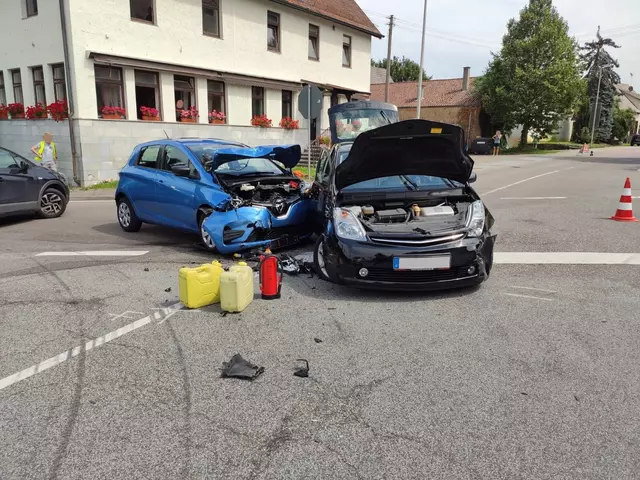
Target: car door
column 175, row 195
column 320, row 189
column 141, row 181
column 19, row 187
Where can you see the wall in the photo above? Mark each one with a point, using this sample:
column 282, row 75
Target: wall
column 451, row 115
column 104, row 26
column 25, row 45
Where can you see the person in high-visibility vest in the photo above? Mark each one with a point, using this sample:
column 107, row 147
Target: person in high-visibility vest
column 45, row 152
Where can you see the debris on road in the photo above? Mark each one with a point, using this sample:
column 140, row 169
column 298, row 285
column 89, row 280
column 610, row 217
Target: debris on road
column 302, row 372
column 317, row 340
column 146, row 269
column 238, row 367
column 167, row 289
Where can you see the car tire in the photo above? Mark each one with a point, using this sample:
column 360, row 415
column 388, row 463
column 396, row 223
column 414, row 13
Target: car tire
column 53, row 203
column 205, row 238
column 318, row 260
column 127, row 217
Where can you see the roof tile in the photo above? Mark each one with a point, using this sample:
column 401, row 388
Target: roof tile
column 436, row 93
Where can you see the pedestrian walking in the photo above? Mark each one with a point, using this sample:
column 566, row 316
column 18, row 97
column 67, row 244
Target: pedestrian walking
column 45, row 152
column 496, row 142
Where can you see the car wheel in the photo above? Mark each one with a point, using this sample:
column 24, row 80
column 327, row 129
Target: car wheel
column 205, row 238
column 127, row 217
column 318, row 260
column 53, row 203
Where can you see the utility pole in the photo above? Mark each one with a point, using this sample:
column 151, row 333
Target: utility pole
column 595, row 108
column 386, row 83
column 424, row 28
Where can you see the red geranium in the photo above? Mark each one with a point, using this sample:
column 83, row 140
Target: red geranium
column 289, row 123
column 149, row 111
column 15, row 108
column 191, row 113
column 36, row 111
column 58, row 110
column 114, row 111
column 261, row 121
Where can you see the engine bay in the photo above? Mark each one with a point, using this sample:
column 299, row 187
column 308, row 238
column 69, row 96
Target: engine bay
column 276, row 194
column 423, row 217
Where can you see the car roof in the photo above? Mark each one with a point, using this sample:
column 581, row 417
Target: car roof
column 192, row 140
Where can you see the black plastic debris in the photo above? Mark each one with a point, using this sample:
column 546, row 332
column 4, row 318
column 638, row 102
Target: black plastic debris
column 224, row 314
column 289, row 264
column 146, row 269
column 167, row 289
column 302, row 372
column 317, row 340
column 238, row 367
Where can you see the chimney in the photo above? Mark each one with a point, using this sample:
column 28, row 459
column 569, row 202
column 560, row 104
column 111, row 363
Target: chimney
column 465, row 78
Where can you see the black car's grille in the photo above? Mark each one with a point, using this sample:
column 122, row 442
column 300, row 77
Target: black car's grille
column 417, row 276
column 416, row 242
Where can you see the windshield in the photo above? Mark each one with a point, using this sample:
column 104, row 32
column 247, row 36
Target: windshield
column 400, row 182
column 349, row 124
column 245, row 166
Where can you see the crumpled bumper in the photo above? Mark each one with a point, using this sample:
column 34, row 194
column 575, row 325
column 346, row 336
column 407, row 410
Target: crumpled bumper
column 255, row 227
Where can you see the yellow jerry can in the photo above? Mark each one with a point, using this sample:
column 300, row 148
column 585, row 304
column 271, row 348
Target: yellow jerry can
column 200, row 286
column 236, row 288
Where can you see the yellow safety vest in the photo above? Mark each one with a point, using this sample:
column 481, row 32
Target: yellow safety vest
column 41, row 150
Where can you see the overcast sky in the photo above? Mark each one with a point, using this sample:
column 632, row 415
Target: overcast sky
column 464, row 32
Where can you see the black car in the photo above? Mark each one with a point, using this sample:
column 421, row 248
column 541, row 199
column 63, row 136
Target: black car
column 26, row 187
column 481, row 146
column 635, row 140
column 395, row 210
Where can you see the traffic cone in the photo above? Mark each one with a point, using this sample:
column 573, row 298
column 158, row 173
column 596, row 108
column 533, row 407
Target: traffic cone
column 625, row 209
column 584, row 149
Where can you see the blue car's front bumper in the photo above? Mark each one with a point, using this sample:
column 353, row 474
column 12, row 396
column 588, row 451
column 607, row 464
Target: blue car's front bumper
column 255, row 227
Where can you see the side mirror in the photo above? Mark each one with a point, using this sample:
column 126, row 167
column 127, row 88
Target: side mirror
column 181, row 170
column 473, row 177
column 24, row 166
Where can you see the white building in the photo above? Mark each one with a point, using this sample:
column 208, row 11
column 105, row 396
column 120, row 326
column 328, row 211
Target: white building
column 242, row 57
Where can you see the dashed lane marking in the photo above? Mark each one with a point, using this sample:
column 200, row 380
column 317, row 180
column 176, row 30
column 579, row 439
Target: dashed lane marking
column 96, row 253
column 523, row 181
column 534, row 289
column 160, row 315
column 533, row 198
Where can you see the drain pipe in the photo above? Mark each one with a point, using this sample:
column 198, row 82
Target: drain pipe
column 70, row 99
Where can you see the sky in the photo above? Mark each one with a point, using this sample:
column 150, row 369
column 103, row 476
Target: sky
column 463, row 33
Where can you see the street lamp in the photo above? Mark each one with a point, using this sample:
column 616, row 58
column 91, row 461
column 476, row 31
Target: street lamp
column 595, row 108
column 424, row 28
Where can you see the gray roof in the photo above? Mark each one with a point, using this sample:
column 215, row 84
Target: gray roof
column 630, row 97
column 379, row 75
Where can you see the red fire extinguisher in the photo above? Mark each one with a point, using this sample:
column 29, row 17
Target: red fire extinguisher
column 270, row 276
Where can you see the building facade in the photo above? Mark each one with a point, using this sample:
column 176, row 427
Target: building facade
column 240, row 57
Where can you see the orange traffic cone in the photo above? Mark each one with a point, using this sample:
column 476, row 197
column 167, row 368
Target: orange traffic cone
column 584, row 149
column 625, row 209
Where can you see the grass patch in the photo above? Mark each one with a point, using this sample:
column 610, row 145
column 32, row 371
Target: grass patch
column 528, row 150
column 107, row 184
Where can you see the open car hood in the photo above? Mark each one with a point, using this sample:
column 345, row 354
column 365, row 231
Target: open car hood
column 411, row 147
column 287, row 155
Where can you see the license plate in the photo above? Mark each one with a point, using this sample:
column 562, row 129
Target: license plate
column 437, row 262
column 481, row 143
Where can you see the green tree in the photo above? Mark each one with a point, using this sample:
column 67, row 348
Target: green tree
column 595, row 59
column 534, row 80
column 402, row 69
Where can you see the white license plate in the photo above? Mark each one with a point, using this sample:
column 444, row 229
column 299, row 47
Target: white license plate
column 481, row 143
column 437, row 262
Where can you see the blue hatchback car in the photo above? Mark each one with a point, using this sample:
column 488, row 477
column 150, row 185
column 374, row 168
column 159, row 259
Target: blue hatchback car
column 234, row 196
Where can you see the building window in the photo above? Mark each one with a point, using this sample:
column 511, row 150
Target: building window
column 211, row 17
column 38, row 85
column 147, row 91
column 215, row 96
column 3, row 92
column 59, row 84
column 257, row 101
column 142, row 10
column 273, row 31
column 287, row 103
column 185, row 93
column 16, row 79
column 109, row 87
column 32, row 8
column 314, row 42
column 346, row 51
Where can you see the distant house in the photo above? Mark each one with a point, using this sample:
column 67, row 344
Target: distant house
column 449, row 101
column 630, row 99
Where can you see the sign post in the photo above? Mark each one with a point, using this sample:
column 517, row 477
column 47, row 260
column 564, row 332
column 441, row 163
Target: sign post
column 310, row 106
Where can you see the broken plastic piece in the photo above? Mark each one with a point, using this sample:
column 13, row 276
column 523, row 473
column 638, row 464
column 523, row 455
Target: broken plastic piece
column 146, row 269
column 167, row 289
column 317, row 340
column 238, row 367
column 302, row 372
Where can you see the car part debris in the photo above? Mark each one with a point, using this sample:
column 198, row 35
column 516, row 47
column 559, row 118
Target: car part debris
column 302, row 372
column 146, row 269
column 238, row 367
column 317, row 340
column 167, row 289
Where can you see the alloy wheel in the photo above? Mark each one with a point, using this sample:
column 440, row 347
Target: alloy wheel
column 321, row 263
column 124, row 214
column 206, row 238
column 51, row 203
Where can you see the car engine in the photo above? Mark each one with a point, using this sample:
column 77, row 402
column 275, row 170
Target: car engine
column 276, row 194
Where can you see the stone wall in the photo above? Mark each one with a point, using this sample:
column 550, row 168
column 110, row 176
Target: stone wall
column 107, row 144
column 451, row 115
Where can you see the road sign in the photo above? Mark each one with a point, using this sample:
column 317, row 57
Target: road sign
column 310, row 102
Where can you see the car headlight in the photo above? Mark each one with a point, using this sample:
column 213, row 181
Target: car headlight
column 476, row 219
column 347, row 225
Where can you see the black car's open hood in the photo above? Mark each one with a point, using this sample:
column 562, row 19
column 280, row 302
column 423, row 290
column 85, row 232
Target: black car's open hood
column 411, row 147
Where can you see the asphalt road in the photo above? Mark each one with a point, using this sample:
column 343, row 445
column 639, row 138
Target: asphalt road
column 534, row 375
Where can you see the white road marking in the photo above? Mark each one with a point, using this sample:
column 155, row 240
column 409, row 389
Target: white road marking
column 533, row 198
column 96, row 342
column 96, row 253
column 566, row 258
column 528, row 296
column 523, row 181
column 535, row 289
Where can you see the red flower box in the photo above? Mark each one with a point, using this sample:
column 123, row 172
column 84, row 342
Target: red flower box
column 261, row 121
column 16, row 110
column 113, row 113
column 289, row 123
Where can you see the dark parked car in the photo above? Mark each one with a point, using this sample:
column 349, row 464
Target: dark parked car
column 481, row 146
column 635, row 140
column 26, row 187
column 395, row 210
